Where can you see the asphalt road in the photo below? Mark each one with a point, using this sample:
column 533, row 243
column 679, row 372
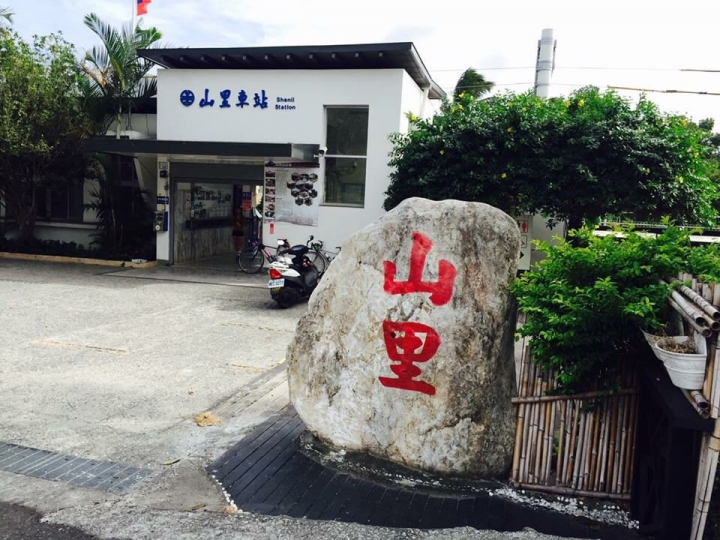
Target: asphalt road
column 21, row 523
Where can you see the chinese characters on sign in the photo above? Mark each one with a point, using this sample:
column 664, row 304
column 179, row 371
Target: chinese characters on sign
column 440, row 290
column 402, row 339
column 261, row 100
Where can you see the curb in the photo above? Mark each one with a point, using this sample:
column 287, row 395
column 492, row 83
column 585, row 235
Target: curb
column 75, row 260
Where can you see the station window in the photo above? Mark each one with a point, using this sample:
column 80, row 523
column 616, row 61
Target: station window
column 346, row 157
column 64, row 203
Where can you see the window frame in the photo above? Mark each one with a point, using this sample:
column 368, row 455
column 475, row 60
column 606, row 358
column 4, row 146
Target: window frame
column 47, row 216
column 325, row 202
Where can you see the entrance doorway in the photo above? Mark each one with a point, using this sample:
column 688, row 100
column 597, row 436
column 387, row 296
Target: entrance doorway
column 205, row 198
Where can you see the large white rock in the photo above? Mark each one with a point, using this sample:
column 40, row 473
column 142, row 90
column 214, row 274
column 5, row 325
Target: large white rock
column 450, row 413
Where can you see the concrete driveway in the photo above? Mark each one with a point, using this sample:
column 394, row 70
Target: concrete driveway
column 113, row 366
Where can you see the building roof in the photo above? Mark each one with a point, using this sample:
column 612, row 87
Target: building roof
column 368, row 56
column 135, row 147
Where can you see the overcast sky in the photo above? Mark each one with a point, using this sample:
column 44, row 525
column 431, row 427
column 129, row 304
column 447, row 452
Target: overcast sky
column 647, row 43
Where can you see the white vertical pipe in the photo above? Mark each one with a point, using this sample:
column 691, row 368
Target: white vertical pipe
column 545, row 63
column 423, row 104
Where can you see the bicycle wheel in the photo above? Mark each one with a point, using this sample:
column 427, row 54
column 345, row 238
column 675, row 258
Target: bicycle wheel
column 318, row 260
column 251, row 260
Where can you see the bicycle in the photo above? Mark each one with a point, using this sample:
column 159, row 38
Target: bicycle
column 319, row 257
column 252, row 259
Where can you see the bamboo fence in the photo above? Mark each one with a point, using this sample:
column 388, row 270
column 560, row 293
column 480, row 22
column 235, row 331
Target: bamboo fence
column 704, row 299
column 580, row 444
column 584, row 444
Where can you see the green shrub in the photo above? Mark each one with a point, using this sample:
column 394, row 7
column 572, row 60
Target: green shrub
column 33, row 246
column 585, row 301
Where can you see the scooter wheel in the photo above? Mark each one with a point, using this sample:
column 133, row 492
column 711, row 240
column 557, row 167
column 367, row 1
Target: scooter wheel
column 288, row 297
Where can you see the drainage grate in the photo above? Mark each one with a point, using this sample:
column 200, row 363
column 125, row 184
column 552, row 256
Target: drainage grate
column 101, row 475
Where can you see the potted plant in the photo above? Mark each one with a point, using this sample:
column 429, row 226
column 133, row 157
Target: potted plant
column 669, row 323
column 684, row 359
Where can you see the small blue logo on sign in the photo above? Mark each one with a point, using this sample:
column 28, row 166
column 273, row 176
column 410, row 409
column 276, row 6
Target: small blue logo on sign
column 187, row 97
column 163, row 200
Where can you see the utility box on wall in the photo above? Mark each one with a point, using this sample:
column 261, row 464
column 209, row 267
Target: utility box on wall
column 161, row 222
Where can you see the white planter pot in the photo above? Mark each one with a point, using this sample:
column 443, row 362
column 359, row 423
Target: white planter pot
column 685, row 370
column 652, row 340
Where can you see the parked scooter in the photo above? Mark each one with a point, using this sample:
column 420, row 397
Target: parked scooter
column 295, row 279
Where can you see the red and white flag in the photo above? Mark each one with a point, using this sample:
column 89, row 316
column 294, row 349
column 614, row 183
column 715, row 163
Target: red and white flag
column 142, row 6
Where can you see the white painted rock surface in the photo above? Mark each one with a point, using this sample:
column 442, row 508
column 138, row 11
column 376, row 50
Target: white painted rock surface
column 445, row 406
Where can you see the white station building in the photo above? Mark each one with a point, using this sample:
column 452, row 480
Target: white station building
column 300, row 132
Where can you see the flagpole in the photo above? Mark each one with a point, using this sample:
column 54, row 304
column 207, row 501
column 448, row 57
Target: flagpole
column 132, row 20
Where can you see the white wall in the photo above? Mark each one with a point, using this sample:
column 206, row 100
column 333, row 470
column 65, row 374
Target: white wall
column 380, row 89
column 90, row 187
column 142, row 125
column 162, row 240
column 387, row 93
column 412, row 99
column 541, row 231
column 64, row 232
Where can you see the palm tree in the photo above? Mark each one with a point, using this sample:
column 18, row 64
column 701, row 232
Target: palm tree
column 115, row 73
column 473, row 83
column 6, row 14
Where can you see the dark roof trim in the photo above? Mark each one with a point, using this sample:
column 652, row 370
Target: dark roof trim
column 109, row 145
column 365, row 56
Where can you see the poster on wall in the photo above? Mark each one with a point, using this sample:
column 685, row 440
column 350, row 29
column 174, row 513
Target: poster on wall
column 246, row 201
column 293, row 192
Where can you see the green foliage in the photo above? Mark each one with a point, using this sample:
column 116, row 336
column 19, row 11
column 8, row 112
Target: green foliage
column 712, row 164
column 7, row 14
column 33, row 246
column 41, row 121
column 586, row 299
column 116, row 76
column 705, row 262
column 471, row 83
column 124, row 220
column 578, row 158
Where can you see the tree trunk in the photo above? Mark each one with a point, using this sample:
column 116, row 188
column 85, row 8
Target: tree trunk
column 25, row 209
column 574, row 222
column 117, row 123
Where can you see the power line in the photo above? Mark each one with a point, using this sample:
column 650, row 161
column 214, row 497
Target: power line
column 580, row 68
column 664, row 91
column 603, row 68
column 495, row 85
column 580, row 85
column 482, row 69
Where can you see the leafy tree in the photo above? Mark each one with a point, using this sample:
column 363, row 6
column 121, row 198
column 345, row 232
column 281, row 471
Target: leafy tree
column 41, row 122
column 713, row 160
column 124, row 226
column 6, row 14
column 473, row 84
column 117, row 77
column 708, row 125
column 585, row 300
column 116, row 80
column 579, row 158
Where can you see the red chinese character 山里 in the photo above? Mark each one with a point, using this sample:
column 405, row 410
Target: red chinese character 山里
column 440, row 290
column 402, row 343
